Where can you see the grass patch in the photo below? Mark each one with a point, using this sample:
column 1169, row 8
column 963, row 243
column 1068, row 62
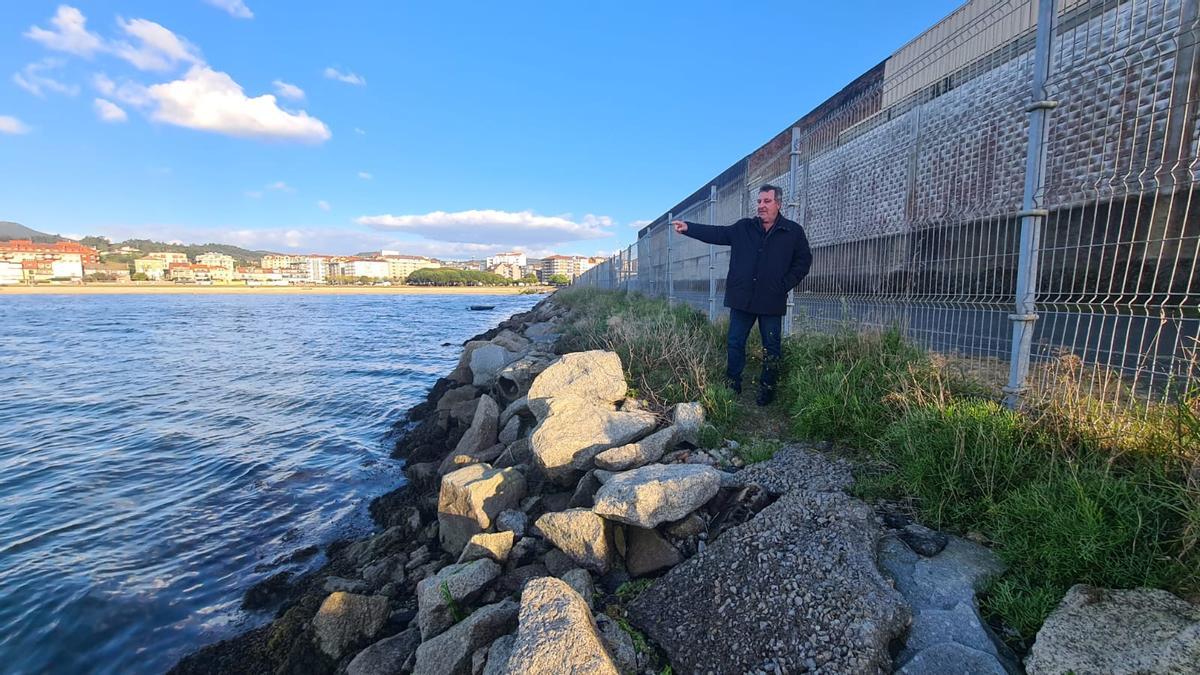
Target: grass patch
column 837, row 385
column 670, row 354
column 1073, row 489
column 758, row 450
column 628, row 591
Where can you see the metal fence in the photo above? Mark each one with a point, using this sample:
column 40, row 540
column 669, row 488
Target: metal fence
column 1014, row 185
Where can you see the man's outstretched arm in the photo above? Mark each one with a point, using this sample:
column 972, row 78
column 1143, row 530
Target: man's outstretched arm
column 709, row 234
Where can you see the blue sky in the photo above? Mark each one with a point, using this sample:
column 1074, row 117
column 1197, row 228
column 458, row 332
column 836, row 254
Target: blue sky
column 449, row 130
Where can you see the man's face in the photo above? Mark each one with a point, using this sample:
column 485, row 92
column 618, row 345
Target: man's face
column 768, row 206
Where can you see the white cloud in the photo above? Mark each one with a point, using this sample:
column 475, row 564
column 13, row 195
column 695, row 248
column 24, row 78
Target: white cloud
column 639, row 224
column 203, row 99
column 335, row 240
column 323, row 205
column 347, row 77
column 236, row 8
column 493, row 227
column 12, row 125
column 158, row 48
column 591, row 220
column 104, row 84
column 130, row 93
column 288, row 90
column 277, row 186
column 108, row 111
column 209, row 100
column 32, row 80
column 364, row 175
column 69, row 33
column 360, row 132
column 442, row 249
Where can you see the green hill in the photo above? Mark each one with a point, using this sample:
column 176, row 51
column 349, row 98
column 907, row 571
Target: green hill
column 11, row 230
column 145, row 246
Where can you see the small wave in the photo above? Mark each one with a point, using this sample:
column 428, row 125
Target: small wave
column 209, row 438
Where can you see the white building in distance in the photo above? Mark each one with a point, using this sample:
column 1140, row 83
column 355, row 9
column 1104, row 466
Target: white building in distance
column 508, row 258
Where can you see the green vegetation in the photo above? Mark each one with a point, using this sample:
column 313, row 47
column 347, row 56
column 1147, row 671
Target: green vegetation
column 430, row 276
column 145, row 246
column 11, row 230
column 455, row 610
column 559, row 280
column 759, row 449
column 1075, row 488
column 1072, row 489
column 628, row 591
column 670, row 354
column 530, row 279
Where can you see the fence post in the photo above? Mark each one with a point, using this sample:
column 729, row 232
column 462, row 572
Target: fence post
column 792, row 214
column 631, row 279
column 1032, row 217
column 670, row 277
column 627, row 266
column 712, row 279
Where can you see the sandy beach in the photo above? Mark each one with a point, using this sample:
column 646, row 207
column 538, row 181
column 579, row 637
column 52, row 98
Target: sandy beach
column 185, row 289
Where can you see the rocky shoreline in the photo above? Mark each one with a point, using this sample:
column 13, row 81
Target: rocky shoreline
column 550, row 524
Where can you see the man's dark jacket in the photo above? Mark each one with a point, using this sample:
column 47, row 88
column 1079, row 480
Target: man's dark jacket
column 763, row 266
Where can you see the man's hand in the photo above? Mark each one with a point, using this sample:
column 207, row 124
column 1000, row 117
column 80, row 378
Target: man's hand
column 679, row 225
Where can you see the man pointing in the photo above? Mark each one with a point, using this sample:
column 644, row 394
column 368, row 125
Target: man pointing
column 768, row 256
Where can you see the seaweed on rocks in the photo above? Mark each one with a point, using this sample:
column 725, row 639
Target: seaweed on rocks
column 267, row 593
column 245, row 653
column 421, row 410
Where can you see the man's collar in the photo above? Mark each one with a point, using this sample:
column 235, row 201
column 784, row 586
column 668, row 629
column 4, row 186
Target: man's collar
column 780, row 222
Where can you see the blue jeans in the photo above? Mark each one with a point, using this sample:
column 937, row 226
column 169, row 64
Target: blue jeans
column 769, row 328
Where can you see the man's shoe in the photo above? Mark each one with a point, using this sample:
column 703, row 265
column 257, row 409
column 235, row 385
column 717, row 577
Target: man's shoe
column 765, row 397
column 736, row 386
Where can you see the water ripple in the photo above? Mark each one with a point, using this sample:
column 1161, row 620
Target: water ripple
column 159, row 453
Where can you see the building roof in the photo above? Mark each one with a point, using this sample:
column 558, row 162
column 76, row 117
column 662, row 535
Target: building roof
column 27, row 245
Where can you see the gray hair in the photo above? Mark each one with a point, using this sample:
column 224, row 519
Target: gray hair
column 773, row 188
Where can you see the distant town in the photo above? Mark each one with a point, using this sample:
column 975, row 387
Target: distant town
column 25, row 261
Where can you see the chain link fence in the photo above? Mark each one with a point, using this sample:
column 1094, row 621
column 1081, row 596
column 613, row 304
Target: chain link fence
column 1014, row 186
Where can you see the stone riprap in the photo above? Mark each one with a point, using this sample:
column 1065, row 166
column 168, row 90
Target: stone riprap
column 655, row 494
column 1101, row 630
column 557, row 633
column 471, row 497
column 574, row 430
column 794, row 589
column 595, row 376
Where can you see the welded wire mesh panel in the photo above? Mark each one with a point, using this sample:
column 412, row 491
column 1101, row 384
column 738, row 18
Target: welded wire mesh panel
column 652, row 261
column 731, row 207
column 910, row 209
column 1118, row 278
column 910, row 184
column 689, row 260
column 606, row 275
column 770, row 165
column 629, row 267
